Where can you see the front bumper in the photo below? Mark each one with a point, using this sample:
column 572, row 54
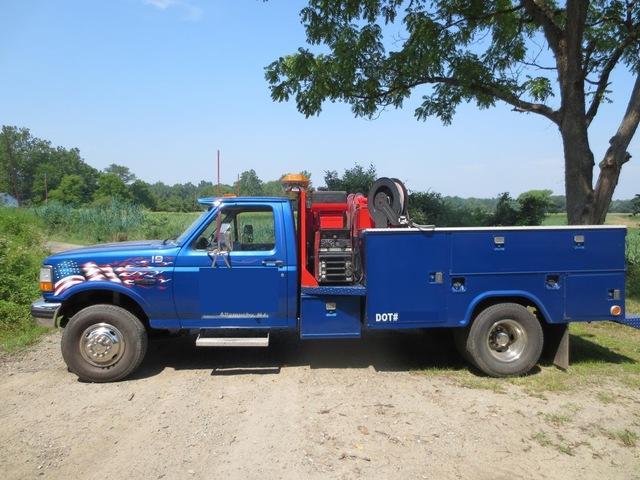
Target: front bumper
column 45, row 313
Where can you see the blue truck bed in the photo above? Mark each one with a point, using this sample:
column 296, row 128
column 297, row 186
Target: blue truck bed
column 440, row 277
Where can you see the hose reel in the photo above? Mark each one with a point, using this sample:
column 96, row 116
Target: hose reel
column 387, row 202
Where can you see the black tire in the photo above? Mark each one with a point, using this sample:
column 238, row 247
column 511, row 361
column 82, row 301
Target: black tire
column 104, row 343
column 504, row 340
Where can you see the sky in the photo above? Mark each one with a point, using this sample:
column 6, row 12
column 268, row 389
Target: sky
column 161, row 86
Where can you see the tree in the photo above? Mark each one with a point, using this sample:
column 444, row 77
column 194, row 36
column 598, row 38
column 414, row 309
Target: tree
column 507, row 212
column 141, row 195
column 354, row 180
column 121, row 171
column 534, row 205
column 52, row 165
column 430, row 208
column 528, row 210
column 636, row 204
column 483, row 52
column 249, row 184
column 31, row 167
column 110, row 187
column 72, row 191
column 273, row 188
column 14, row 149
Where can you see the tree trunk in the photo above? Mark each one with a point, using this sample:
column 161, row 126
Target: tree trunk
column 578, row 159
column 616, row 156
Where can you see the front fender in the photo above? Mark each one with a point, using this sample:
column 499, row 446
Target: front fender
column 87, row 288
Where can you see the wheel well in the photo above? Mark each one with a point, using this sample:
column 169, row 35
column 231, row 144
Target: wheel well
column 524, row 301
column 93, row 297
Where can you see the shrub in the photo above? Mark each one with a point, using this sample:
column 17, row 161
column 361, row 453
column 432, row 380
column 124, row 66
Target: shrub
column 21, row 253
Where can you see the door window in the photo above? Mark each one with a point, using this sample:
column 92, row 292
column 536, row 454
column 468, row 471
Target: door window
column 239, row 229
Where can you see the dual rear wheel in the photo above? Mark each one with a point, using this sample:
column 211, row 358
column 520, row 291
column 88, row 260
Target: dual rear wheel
column 504, row 340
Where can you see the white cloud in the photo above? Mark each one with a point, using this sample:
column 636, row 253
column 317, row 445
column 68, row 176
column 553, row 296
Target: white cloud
column 193, row 12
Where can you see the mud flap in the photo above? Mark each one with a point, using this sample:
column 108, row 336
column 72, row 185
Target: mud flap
column 556, row 345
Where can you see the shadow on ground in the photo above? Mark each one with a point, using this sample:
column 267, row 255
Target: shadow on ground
column 384, row 351
column 587, row 351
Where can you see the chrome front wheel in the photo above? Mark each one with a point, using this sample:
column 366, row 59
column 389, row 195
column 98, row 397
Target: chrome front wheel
column 104, row 343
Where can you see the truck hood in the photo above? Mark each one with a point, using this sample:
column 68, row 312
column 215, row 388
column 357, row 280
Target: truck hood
column 119, row 266
column 120, row 251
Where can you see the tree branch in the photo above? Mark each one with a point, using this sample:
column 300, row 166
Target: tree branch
column 491, row 90
column 542, row 14
column 613, row 60
column 630, row 121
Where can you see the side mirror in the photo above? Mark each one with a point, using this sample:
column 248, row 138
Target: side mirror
column 225, row 245
column 225, row 240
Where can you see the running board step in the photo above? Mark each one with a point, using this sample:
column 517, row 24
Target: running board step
column 232, row 341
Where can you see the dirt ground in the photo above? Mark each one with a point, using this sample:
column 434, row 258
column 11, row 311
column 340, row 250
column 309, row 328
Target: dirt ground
column 303, row 409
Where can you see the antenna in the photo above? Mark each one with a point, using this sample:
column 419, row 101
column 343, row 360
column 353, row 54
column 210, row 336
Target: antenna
column 218, row 173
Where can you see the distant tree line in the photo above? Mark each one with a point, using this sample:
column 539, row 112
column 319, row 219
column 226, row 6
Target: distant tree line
column 35, row 172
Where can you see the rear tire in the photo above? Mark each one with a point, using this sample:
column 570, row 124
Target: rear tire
column 104, row 343
column 504, row 340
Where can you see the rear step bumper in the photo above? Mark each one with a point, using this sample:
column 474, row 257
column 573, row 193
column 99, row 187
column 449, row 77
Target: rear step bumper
column 631, row 321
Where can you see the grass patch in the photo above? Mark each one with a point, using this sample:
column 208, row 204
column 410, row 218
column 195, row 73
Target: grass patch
column 568, row 414
column 628, row 438
column 544, row 439
column 601, row 353
column 605, row 397
column 496, row 385
column 557, row 419
column 16, row 339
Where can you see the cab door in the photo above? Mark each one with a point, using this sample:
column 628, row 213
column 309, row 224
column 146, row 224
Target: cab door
column 235, row 271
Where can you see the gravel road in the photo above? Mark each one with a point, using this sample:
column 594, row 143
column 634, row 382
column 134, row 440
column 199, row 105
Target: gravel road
column 315, row 409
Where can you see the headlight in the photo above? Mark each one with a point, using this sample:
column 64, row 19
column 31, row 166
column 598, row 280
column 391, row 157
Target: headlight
column 46, row 278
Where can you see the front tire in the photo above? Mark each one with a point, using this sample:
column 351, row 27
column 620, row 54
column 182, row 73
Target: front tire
column 504, row 340
column 104, row 343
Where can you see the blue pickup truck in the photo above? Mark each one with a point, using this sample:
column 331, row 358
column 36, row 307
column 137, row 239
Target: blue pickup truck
column 331, row 265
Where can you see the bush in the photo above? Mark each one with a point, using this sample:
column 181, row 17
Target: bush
column 21, row 253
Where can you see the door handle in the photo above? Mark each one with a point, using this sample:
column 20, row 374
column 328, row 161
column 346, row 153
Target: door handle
column 272, row 262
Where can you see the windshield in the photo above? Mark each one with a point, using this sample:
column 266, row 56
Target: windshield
column 184, row 235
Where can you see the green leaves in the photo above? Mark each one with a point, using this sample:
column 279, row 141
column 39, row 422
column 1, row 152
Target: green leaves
column 375, row 52
column 354, row 180
column 539, row 88
column 21, row 251
column 30, row 168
